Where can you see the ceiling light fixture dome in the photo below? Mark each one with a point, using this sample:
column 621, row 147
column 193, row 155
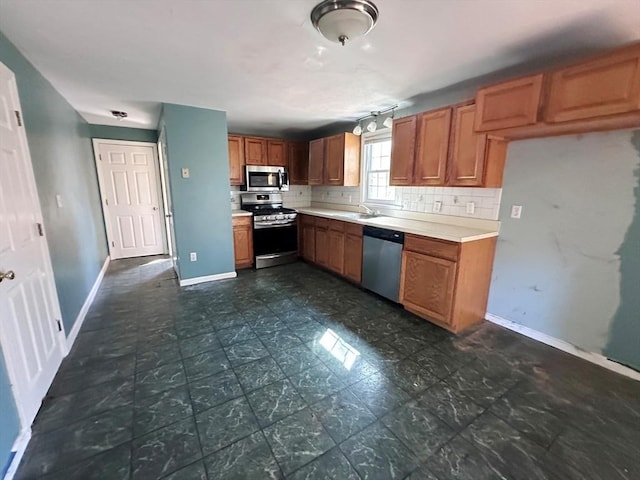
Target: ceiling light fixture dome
column 342, row 20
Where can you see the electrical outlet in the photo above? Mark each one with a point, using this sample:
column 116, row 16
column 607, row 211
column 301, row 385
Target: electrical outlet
column 185, row 172
column 516, row 211
column 349, row 198
column 471, row 208
column 193, row 256
column 437, row 206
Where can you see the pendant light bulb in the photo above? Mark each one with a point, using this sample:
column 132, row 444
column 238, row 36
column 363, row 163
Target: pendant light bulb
column 372, row 126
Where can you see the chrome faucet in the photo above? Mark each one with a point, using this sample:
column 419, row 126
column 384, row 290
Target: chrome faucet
column 368, row 210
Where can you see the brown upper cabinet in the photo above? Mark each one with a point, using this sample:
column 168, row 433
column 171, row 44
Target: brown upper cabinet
column 508, row 104
column 403, row 148
column 255, row 151
column 466, row 167
column 276, row 153
column 342, row 160
column 236, row 159
column 432, row 147
column 335, row 160
column 316, row 162
column 298, row 155
column 606, row 85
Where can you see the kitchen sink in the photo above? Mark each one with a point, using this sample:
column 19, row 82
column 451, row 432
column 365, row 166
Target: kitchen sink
column 363, row 216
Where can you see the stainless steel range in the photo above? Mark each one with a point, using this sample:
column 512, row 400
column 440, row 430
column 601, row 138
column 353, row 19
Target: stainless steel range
column 275, row 229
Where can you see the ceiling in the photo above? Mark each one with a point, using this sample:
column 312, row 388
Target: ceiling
column 264, row 64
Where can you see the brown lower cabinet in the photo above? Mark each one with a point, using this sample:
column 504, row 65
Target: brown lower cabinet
column 446, row 283
column 243, row 241
column 332, row 244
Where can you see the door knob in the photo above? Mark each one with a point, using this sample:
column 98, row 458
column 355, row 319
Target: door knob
column 10, row 275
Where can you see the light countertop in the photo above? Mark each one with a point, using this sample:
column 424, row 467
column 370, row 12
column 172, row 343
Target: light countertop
column 240, row 213
column 442, row 231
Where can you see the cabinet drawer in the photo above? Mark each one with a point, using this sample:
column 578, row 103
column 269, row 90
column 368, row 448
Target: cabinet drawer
column 241, row 221
column 429, row 246
column 322, row 222
column 353, row 229
column 337, row 226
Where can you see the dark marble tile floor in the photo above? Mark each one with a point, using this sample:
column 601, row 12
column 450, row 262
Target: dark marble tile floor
column 293, row 373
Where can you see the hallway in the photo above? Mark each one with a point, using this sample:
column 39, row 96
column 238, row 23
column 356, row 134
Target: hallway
column 292, row 372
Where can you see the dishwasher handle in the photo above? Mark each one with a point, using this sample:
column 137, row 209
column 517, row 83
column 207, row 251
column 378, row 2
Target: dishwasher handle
column 384, row 234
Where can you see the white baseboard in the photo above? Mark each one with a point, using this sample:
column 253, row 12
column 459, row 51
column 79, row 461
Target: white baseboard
column 207, row 278
column 592, row 357
column 73, row 334
column 19, row 447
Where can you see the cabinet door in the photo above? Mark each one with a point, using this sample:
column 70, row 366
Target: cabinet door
column 242, row 246
column 403, row 147
column 298, row 163
column 322, row 246
column 353, row 257
column 432, row 148
column 427, row 285
column 309, row 242
column 336, row 251
column 606, row 85
column 509, row 104
column 334, row 160
column 236, row 159
column 466, row 163
column 255, row 151
column 276, row 153
column 316, row 161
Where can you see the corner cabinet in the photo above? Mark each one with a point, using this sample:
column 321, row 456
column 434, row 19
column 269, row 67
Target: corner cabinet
column 446, row 283
column 332, row 244
column 335, row 160
column 243, row 241
column 236, row 159
column 298, row 156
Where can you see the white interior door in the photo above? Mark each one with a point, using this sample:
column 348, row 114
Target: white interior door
column 168, row 206
column 130, row 187
column 30, row 334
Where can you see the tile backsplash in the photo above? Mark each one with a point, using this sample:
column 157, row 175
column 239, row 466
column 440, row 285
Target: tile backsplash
column 413, row 199
column 298, row 196
column 422, row 199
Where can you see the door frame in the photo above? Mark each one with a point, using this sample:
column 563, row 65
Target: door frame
column 101, row 184
column 61, row 338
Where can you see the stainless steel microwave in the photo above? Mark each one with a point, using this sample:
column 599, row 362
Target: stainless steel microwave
column 266, row 179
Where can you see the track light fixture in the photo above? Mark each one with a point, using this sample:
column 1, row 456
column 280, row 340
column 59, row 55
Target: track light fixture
column 372, row 125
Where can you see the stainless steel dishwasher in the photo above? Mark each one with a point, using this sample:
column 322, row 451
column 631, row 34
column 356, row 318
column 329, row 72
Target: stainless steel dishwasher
column 381, row 261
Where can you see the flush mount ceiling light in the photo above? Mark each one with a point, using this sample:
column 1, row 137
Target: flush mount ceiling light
column 342, row 20
column 119, row 115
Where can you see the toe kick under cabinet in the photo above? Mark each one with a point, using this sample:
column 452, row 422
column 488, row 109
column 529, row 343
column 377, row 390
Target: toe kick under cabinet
column 446, row 283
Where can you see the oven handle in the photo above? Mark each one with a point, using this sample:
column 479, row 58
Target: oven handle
column 279, row 225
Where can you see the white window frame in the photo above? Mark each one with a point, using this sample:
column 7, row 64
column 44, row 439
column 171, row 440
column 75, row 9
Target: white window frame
column 371, row 138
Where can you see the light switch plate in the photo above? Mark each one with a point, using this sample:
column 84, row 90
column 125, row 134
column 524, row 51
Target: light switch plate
column 193, row 256
column 59, row 200
column 185, row 172
column 471, row 208
column 437, row 206
column 516, row 211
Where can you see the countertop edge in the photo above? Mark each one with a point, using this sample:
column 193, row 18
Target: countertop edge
column 240, row 213
column 413, row 231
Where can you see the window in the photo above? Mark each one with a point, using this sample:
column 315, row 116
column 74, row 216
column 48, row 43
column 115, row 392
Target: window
column 377, row 163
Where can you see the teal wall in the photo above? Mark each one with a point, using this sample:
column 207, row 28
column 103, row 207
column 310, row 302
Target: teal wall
column 61, row 153
column 570, row 267
column 197, row 139
column 123, row 133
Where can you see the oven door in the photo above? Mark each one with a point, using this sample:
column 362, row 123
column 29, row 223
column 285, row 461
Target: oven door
column 275, row 239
